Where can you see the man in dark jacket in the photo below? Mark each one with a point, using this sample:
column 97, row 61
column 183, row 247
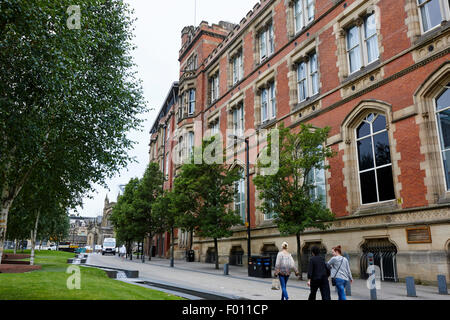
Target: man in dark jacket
column 318, row 274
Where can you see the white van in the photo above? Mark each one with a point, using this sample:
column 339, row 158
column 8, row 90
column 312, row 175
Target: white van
column 109, row 246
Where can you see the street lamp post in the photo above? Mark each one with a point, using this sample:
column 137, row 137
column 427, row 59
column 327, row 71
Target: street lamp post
column 247, row 149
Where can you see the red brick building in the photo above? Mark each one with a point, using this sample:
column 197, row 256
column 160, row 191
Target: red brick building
column 378, row 73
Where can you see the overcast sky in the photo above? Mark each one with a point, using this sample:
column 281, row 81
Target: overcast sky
column 158, row 40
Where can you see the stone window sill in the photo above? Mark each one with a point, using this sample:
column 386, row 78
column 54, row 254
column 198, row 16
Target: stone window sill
column 377, row 208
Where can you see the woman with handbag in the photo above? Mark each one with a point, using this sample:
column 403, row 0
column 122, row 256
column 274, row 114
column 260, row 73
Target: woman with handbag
column 340, row 272
column 283, row 266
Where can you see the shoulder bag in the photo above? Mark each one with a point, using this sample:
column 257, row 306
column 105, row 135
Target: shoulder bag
column 333, row 279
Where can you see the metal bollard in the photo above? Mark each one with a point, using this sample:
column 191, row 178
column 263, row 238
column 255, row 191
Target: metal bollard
column 225, row 269
column 372, row 277
column 442, row 284
column 410, row 287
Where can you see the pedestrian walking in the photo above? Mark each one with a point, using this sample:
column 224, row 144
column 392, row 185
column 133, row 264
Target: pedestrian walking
column 123, row 251
column 318, row 273
column 340, row 271
column 283, row 266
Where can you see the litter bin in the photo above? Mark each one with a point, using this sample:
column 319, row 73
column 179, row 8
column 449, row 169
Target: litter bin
column 252, row 267
column 190, row 256
column 266, row 267
column 260, row 267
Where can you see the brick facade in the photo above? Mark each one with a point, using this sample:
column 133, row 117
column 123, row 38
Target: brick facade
column 399, row 84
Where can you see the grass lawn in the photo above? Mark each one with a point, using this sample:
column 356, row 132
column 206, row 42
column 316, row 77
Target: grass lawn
column 50, row 283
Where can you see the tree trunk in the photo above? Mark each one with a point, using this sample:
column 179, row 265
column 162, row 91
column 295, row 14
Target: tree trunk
column 6, row 205
column 172, row 242
column 15, row 246
column 299, row 257
column 191, row 240
column 33, row 238
column 216, row 247
column 150, row 246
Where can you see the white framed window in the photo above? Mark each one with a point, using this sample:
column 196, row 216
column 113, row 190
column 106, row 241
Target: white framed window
column 442, row 107
column 190, row 147
column 374, row 160
column 268, row 103
column 432, row 13
column 362, row 44
column 317, row 179
column 191, row 64
column 307, row 77
column 180, row 149
column 266, row 42
column 239, row 197
column 191, row 103
column 303, row 13
column 238, row 120
column 214, row 87
column 238, row 67
column 214, row 128
column 271, row 214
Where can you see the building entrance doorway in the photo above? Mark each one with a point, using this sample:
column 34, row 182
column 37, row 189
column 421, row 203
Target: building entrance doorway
column 385, row 257
column 307, row 254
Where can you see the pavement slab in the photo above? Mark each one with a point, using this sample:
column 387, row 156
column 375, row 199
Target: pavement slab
column 204, row 277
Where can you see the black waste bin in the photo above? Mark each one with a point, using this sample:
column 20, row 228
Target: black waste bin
column 190, row 256
column 266, row 267
column 260, row 267
column 252, row 267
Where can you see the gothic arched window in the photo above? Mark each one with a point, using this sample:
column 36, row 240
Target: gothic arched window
column 374, row 160
column 443, row 125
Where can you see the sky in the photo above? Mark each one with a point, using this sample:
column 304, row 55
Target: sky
column 158, row 41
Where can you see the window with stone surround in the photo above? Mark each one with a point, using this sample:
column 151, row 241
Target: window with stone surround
column 374, row 160
column 214, row 87
column 191, row 102
column 307, row 77
column 303, row 13
column 237, row 67
column 316, row 178
column 190, row 146
column 358, row 39
column 239, row 197
column 214, row 126
column 432, row 13
column 191, row 64
column 268, row 102
column 238, row 120
column 362, row 43
column 442, row 105
column 270, row 215
column 266, row 42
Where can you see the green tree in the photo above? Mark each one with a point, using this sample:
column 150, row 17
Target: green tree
column 211, row 189
column 67, row 96
column 166, row 212
column 150, row 188
column 123, row 216
column 287, row 193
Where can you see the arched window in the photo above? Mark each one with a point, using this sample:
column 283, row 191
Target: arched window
column 374, row 160
column 443, row 126
column 239, row 198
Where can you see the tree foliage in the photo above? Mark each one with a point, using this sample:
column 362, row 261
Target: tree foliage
column 67, row 96
column 204, row 194
column 287, row 193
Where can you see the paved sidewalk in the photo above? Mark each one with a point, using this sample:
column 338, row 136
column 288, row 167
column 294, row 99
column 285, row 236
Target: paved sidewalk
column 204, row 277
